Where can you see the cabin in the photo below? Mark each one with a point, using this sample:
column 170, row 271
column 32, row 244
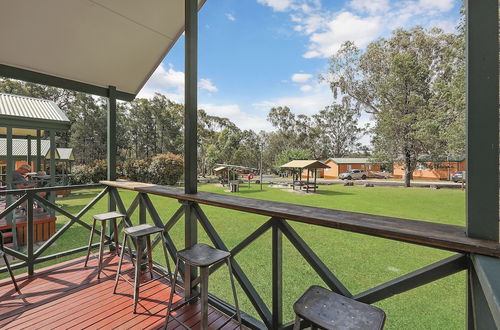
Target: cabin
column 432, row 169
column 342, row 165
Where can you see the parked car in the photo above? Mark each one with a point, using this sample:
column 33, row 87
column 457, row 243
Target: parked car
column 458, row 176
column 354, row 175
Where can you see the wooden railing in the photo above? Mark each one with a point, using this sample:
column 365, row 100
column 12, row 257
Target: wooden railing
column 479, row 257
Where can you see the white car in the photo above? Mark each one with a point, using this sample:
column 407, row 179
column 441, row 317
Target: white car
column 354, row 175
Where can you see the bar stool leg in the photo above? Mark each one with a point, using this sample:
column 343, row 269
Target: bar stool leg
column 296, row 324
column 137, row 281
column 172, row 291
column 233, row 287
column 101, row 248
column 122, row 252
column 150, row 255
column 204, row 296
column 115, row 225
column 165, row 252
column 90, row 242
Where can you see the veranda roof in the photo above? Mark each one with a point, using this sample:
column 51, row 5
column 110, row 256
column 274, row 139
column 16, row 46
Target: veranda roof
column 26, row 114
column 305, row 164
column 65, row 154
column 20, row 148
column 88, row 45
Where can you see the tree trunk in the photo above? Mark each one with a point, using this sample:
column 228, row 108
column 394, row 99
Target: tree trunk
column 408, row 174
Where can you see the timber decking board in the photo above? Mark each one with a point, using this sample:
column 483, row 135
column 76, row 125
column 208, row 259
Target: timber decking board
column 430, row 234
column 68, row 295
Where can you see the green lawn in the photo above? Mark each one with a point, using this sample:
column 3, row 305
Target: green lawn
column 359, row 261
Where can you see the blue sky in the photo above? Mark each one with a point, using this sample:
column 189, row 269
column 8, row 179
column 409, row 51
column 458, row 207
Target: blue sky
column 256, row 54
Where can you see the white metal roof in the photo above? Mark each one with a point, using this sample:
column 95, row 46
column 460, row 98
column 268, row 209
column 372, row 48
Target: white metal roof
column 65, row 153
column 20, row 148
column 350, row 160
column 98, row 42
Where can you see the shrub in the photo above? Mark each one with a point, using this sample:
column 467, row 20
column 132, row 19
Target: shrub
column 99, row 170
column 166, row 169
column 137, row 169
column 81, row 174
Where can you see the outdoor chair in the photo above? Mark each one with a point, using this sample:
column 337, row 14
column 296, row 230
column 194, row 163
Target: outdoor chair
column 103, row 218
column 138, row 234
column 202, row 256
column 328, row 310
column 4, row 256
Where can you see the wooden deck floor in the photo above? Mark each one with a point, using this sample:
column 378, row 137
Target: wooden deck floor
column 68, row 295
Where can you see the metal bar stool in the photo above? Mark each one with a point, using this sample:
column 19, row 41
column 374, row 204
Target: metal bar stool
column 138, row 233
column 4, row 256
column 328, row 310
column 103, row 218
column 202, row 256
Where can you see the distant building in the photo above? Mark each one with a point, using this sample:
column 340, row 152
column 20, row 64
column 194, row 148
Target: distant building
column 427, row 169
column 342, row 165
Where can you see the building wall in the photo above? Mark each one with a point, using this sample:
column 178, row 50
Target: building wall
column 431, row 170
column 336, row 169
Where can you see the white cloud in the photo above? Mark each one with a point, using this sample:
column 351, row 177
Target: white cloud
column 301, row 77
column 315, row 100
column 277, row 5
column 370, row 6
column 166, row 80
column 230, row 17
column 207, row 84
column 441, row 5
column 306, row 88
column 242, row 119
column 345, row 26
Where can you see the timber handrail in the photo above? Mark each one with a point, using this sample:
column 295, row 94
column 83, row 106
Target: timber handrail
column 442, row 236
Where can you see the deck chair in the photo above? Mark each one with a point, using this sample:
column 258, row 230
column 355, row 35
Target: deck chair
column 2, row 254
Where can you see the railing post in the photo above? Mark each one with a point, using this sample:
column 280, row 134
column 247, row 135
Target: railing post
column 30, row 234
column 277, row 270
column 482, row 142
column 190, row 239
column 52, row 194
column 111, row 149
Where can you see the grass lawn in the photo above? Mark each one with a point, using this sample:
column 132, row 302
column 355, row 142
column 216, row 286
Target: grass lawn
column 359, row 261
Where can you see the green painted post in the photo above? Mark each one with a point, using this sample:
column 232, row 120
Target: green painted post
column 30, row 235
column 482, row 141
column 28, row 155
column 111, row 143
column 38, row 150
column 277, row 274
column 52, row 197
column 8, row 179
column 190, row 130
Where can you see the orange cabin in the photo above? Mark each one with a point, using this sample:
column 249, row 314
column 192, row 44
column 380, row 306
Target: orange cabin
column 342, row 165
column 432, row 170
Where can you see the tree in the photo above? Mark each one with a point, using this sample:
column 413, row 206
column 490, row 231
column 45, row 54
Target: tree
column 338, row 130
column 401, row 81
column 289, row 155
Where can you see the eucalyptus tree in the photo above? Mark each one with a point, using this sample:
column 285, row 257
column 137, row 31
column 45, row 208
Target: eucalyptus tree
column 404, row 82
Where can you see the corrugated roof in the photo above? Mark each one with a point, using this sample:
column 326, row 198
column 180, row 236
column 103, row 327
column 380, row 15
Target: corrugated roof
column 20, row 147
column 350, row 160
column 65, row 153
column 220, row 168
column 30, row 108
column 305, row 164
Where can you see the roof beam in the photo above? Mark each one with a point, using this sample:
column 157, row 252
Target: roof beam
column 45, row 79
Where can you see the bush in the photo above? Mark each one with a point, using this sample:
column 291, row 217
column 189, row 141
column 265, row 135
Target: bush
column 166, row 169
column 99, row 170
column 89, row 173
column 81, row 174
column 137, row 169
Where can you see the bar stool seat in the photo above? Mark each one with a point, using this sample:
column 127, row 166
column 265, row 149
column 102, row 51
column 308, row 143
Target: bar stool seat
column 329, row 310
column 142, row 230
column 138, row 233
column 103, row 218
column 202, row 256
